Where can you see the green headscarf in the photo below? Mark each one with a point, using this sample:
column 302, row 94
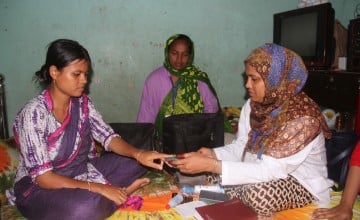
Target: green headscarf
column 187, row 97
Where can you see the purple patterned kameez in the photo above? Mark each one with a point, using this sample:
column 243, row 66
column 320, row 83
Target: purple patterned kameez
column 67, row 149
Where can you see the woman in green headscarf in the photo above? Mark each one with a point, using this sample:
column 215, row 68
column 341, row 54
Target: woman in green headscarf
column 176, row 87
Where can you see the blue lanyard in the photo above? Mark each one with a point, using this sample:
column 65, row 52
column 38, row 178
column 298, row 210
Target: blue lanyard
column 262, row 146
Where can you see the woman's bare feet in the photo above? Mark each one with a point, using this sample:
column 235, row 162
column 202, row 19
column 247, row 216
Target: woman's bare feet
column 137, row 184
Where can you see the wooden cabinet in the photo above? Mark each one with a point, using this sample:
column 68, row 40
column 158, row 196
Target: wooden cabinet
column 338, row 90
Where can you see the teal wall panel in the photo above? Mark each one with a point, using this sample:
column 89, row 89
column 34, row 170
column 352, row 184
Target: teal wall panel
column 126, row 38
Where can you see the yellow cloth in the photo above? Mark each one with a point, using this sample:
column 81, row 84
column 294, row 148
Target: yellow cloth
column 169, row 214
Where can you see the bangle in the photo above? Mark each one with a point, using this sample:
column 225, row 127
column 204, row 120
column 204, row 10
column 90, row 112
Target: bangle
column 89, row 186
column 215, row 165
column 138, row 154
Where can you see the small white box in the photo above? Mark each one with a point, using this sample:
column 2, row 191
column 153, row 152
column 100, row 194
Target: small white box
column 342, row 63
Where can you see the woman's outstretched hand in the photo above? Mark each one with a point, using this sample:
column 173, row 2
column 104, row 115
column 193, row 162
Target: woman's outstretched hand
column 196, row 162
column 151, row 159
column 339, row 212
column 118, row 194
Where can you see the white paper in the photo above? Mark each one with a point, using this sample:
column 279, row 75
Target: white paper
column 188, row 210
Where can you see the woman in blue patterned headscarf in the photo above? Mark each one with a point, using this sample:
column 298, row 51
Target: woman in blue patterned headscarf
column 284, row 75
column 278, row 160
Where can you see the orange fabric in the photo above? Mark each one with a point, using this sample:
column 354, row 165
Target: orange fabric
column 303, row 213
column 5, row 159
column 154, row 202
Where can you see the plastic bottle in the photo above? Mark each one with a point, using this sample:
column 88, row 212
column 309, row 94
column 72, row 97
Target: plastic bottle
column 176, row 200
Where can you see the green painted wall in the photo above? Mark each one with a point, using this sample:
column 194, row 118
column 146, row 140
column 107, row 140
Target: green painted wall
column 125, row 39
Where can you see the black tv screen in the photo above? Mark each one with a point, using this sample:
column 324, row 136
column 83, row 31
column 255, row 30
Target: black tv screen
column 309, row 32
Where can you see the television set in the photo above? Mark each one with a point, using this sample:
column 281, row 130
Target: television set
column 309, row 32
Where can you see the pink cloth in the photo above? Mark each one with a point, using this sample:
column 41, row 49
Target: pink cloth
column 157, row 85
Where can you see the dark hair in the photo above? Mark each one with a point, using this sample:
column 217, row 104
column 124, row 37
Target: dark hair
column 61, row 53
column 187, row 40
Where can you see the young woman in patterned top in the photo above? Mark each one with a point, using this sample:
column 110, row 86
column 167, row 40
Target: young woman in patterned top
column 59, row 175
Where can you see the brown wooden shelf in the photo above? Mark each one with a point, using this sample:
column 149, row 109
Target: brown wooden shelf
column 338, row 90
